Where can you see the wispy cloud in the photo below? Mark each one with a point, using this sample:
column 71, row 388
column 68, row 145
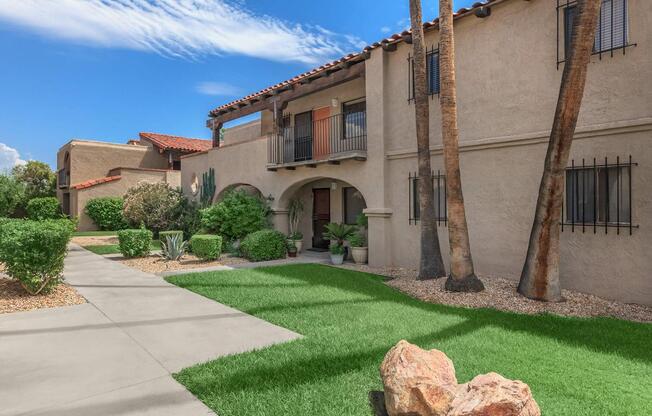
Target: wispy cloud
column 218, row 88
column 9, row 157
column 385, row 29
column 178, row 28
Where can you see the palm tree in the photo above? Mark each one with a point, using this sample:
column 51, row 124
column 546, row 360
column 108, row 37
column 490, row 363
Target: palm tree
column 431, row 264
column 462, row 277
column 540, row 276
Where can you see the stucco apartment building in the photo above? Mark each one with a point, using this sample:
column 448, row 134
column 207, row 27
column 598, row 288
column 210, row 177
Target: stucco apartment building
column 342, row 138
column 91, row 169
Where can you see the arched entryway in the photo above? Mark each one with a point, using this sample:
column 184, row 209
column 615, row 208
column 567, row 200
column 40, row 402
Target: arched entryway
column 244, row 187
column 324, row 200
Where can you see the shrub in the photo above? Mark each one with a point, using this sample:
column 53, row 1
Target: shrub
column 358, row 240
column 46, row 208
column 206, row 246
column 339, row 232
column 106, row 213
column 154, row 205
column 236, row 216
column 264, row 245
column 188, row 218
column 162, row 236
column 33, row 252
column 134, row 243
column 12, row 194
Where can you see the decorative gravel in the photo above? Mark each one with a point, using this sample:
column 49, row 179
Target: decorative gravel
column 156, row 264
column 95, row 240
column 501, row 294
column 13, row 298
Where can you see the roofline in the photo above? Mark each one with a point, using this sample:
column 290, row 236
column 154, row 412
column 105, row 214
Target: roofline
column 394, row 39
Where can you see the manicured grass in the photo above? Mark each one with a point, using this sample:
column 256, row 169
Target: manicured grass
column 349, row 320
column 94, row 233
column 114, row 248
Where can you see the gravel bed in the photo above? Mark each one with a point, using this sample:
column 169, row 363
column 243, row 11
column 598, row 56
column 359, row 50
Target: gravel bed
column 95, row 240
column 156, row 264
column 13, row 298
column 501, row 294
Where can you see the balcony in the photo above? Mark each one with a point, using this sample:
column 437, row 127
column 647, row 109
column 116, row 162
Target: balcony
column 63, row 178
column 330, row 140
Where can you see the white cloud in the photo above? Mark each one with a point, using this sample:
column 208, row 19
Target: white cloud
column 218, row 88
column 181, row 28
column 9, row 157
column 385, row 29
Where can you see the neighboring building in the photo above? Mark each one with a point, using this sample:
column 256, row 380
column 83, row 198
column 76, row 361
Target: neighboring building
column 342, row 138
column 90, row 169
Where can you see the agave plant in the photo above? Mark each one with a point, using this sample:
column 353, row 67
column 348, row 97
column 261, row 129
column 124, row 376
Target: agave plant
column 174, row 247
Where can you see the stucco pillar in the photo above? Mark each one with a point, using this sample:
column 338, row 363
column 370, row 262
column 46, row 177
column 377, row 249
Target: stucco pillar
column 380, row 238
column 280, row 220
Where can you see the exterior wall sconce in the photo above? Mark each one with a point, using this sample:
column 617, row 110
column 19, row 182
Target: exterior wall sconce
column 335, row 102
column 483, row 12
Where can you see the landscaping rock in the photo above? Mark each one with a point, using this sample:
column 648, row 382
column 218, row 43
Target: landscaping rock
column 417, row 382
column 423, row 383
column 494, row 395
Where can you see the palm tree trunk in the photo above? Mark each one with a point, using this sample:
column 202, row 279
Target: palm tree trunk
column 540, row 276
column 462, row 277
column 431, row 264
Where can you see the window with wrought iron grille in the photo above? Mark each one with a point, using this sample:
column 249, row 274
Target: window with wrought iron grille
column 439, row 186
column 432, row 73
column 598, row 196
column 612, row 32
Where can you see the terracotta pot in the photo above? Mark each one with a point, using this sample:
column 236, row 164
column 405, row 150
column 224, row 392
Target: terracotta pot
column 360, row 254
column 292, row 253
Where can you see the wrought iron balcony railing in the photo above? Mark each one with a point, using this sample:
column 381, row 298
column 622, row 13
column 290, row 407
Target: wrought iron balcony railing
column 338, row 137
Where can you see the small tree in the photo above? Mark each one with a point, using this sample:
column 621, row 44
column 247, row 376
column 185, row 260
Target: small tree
column 295, row 212
column 39, row 180
column 12, row 193
column 153, row 205
column 236, row 216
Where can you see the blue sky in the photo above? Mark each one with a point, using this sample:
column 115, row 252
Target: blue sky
column 108, row 69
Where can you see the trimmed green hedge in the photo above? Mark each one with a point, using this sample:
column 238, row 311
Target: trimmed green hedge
column 134, row 243
column 47, row 208
column 33, row 252
column 106, row 213
column 164, row 234
column 264, row 245
column 206, row 246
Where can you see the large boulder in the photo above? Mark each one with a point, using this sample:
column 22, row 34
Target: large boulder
column 417, row 382
column 423, row 383
column 494, row 395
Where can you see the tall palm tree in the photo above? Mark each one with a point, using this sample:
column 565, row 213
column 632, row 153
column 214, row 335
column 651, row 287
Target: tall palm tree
column 462, row 277
column 431, row 264
column 540, row 276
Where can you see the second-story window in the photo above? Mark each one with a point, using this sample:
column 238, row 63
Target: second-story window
column 432, row 73
column 612, row 31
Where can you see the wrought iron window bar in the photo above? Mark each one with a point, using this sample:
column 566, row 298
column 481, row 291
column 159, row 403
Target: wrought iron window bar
column 576, row 215
column 432, row 73
column 562, row 8
column 438, row 179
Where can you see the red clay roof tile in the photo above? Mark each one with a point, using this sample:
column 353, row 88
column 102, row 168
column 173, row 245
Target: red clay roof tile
column 183, row 144
column 92, row 182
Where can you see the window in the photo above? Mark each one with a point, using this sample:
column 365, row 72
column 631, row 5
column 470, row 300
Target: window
column 599, row 195
column 353, row 204
column 432, row 73
column 439, row 184
column 612, row 30
column 355, row 121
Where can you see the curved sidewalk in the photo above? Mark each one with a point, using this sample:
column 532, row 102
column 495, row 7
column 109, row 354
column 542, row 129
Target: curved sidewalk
column 115, row 354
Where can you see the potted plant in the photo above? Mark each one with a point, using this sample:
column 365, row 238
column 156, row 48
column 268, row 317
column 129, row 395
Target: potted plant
column 296, row 238
column 359, row 249
column 295, row 212
column 292, row 249
column 337, row 253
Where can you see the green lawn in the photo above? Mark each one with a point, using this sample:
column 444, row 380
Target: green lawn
column 349, row 320
column 94, row 233
column 114, row 248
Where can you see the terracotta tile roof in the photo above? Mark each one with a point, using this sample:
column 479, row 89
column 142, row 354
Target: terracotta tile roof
column 183, row 144
column 93, row 182
column 395, row 38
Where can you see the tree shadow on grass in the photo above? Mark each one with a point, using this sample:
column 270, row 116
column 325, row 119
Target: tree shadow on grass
column 606, row 335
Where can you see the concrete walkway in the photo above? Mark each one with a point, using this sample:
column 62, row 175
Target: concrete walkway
column 114, row 355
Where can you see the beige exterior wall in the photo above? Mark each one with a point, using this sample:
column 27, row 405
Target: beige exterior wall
column 242, row 133
column 508, row 83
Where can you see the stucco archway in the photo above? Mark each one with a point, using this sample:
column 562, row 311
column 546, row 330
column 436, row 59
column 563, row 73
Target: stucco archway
column 247, row 188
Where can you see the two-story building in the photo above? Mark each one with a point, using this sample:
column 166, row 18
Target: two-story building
column 91, row 169
column 342, row 138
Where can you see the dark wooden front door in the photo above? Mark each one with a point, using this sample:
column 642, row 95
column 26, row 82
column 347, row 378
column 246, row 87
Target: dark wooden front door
column 321, row 215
